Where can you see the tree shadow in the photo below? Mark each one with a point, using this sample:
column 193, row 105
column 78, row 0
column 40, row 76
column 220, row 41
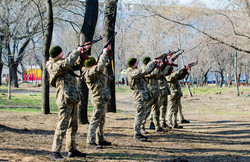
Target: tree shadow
column 25, row 130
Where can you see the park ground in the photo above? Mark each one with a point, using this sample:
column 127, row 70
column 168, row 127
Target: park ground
column 219, row 130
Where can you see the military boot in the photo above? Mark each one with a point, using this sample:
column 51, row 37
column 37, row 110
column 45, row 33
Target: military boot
column 140, row 137
column 76, row 154
column 105, row 143
column 160, row 129
column 177, row 126
column 185, row 121
column 56, row 156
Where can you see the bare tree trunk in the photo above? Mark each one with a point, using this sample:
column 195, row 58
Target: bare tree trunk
column 108, row 31
column 1, row 64
column 13, row 69
column 46, row 45
column 87, row 33
column 247, row 72
column 222, row 78
column 236, row 73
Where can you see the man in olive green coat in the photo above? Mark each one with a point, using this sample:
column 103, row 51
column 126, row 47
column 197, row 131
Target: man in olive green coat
column 140, row 93
column 96, row 77
column 67, row 97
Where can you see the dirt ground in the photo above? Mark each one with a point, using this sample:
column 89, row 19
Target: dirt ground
column 219, row 131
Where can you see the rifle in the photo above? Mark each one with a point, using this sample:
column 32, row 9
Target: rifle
column 164, row 55
column 176, row 56
column 89, row 43
column 193, row 64
column 109, row 42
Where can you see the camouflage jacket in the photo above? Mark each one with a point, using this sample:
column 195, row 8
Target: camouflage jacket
column 138, row 82
column 67, row 91
column 152, row 81
column 174, row 84
column 163, row 86
column 96, row 79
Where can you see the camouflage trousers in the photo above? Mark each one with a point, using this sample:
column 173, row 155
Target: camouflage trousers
column 97, row 121
column 139, row 114
column 172, row 110
column 163, row 103
column 153, row 106
column 67, row 125
column 180, row 114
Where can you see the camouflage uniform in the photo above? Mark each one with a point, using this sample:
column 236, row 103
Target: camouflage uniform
column 174, row 98
column 152, row 84
column 96, row 79
column 164, row 91
column 140, row 93
column 67, row 97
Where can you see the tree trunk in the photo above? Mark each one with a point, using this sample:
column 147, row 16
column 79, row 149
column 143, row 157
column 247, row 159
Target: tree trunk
column 46, row 45
column 108, row 31
column 222, row 78
column 87, row 33
column 1, row 64
column 13, row 68
column 247, row 72
column 236, row 73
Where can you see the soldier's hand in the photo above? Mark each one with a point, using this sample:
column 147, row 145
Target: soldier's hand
column 84, row 48
column 157, row 61
column 108, row 48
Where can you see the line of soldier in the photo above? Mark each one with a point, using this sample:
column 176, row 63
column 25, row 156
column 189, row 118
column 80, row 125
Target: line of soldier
column 95, row 75
column 155, row 86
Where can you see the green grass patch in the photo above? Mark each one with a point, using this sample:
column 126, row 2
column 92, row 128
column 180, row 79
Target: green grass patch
column 29, row 102
column 123, row 89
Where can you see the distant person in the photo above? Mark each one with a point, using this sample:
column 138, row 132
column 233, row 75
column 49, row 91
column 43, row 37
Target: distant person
column 123, row 81
column 140, row 93
column 67, row 97
column 96, row 78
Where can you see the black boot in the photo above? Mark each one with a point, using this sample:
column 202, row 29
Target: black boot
column 56, row 156
column 185, row 121
column 177, row 126
column 105, row 143
column 140, row 137
column 76, row 154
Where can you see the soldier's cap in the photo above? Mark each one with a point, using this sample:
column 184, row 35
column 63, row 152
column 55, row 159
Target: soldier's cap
column 90, row 62
column 131, row 61
column 145, row 60
column 55, row 51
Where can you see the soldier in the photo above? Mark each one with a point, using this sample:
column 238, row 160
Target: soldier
column 152, row 84
column 67, row 97
column 176, row 94
column 164, row 91
column 140, row 93
column 95, row 76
